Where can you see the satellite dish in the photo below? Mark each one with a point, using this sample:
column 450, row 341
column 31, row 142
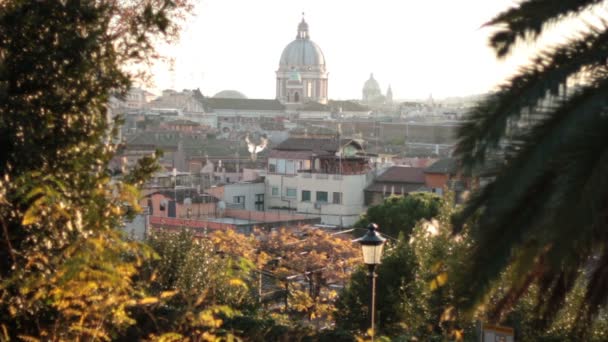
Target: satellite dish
column 187, row 201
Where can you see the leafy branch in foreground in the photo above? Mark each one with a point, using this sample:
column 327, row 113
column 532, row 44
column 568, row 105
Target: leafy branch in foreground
column 65, row 270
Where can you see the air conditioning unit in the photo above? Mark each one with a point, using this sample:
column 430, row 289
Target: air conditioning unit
column 318, row 205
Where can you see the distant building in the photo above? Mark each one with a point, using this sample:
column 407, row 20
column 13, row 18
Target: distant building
column 302, row 75
column 372, row 95
column 230, row 94
column 371, row 91
column 136, row 98
column 187, row 101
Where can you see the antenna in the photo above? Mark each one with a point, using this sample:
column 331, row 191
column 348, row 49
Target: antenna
column 172, row 72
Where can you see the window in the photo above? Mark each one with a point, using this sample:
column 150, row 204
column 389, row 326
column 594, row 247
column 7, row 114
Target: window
column 275, row 191
column 337, row 198
column 289, row 167
column 305, row 195
column 259, row 202
column 322, row 196
column 272, row 165
column 238, row 199
column 281, row 166
column 291, row 192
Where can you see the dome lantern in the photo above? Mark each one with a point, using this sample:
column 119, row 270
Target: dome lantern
column 303, row 29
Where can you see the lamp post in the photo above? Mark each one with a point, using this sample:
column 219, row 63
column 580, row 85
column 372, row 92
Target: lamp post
column 371, row 244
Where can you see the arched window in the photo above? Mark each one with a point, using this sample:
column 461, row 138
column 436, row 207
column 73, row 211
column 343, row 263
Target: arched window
column 296, row 97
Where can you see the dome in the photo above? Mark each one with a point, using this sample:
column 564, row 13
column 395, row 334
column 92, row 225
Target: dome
column 230, row 94
column 302, row 51
column 371, row 85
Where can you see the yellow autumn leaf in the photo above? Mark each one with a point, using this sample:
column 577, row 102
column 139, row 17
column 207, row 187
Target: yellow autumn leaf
column 167, row 294
column 31, row 216
column 442, row 278
column 439, row 281
column 237, row 282
column 148, row 300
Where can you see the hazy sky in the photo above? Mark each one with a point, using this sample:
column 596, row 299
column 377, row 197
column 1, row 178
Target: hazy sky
column 419, row 47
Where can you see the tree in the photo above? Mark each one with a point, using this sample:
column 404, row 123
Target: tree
column 309, row 261
column 399, row 214
column 66, row 272
column 413, row 289
column 544, row 214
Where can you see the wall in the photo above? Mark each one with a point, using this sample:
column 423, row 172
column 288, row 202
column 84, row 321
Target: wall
column 249, row 190
column 282, row 182
column 351, row 187
column 436, row 180
column 344, row 214
column 196, row 209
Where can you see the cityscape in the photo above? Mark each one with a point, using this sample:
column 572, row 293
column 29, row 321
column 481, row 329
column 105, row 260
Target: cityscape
column 144, row 197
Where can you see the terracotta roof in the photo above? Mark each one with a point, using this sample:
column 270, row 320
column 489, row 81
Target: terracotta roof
column 445, row 166
column 402, row 174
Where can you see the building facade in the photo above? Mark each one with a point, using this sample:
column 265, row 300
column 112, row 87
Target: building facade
column 302, row 75
column 318, row 177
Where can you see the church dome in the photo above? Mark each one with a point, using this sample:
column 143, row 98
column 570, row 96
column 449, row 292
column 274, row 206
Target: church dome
column 302, row 51
column 230, row 94
column 371, row 85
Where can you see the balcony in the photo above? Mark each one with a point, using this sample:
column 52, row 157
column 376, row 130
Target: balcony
column 337, row 167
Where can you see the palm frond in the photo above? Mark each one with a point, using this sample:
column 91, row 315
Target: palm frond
column 487, row 124
column 541, row 196
column 529, row 18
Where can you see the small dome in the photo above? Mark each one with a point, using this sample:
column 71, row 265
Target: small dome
column 230, row 94
column 371, row 85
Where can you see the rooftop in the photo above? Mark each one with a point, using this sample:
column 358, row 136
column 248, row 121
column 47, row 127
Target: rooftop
column 242, row 104
column 316, row 145
column 402, row 174
column 445, row 166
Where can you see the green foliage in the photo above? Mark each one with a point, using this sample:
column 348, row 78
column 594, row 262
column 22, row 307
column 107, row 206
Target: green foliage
column 413, row 286
column 399, row 214
column 544, row 213
column 66, row 272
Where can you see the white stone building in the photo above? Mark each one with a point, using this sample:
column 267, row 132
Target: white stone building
column 319, row 177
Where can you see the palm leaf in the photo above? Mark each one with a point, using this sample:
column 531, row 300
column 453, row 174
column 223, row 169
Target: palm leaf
column 529, row 18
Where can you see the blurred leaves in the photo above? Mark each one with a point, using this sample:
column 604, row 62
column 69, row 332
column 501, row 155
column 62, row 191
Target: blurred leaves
column 543, row 211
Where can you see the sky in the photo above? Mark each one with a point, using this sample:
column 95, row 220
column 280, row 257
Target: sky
column 420, row 48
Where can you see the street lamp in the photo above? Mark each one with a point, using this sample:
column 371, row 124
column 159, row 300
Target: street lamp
column 371, row 244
